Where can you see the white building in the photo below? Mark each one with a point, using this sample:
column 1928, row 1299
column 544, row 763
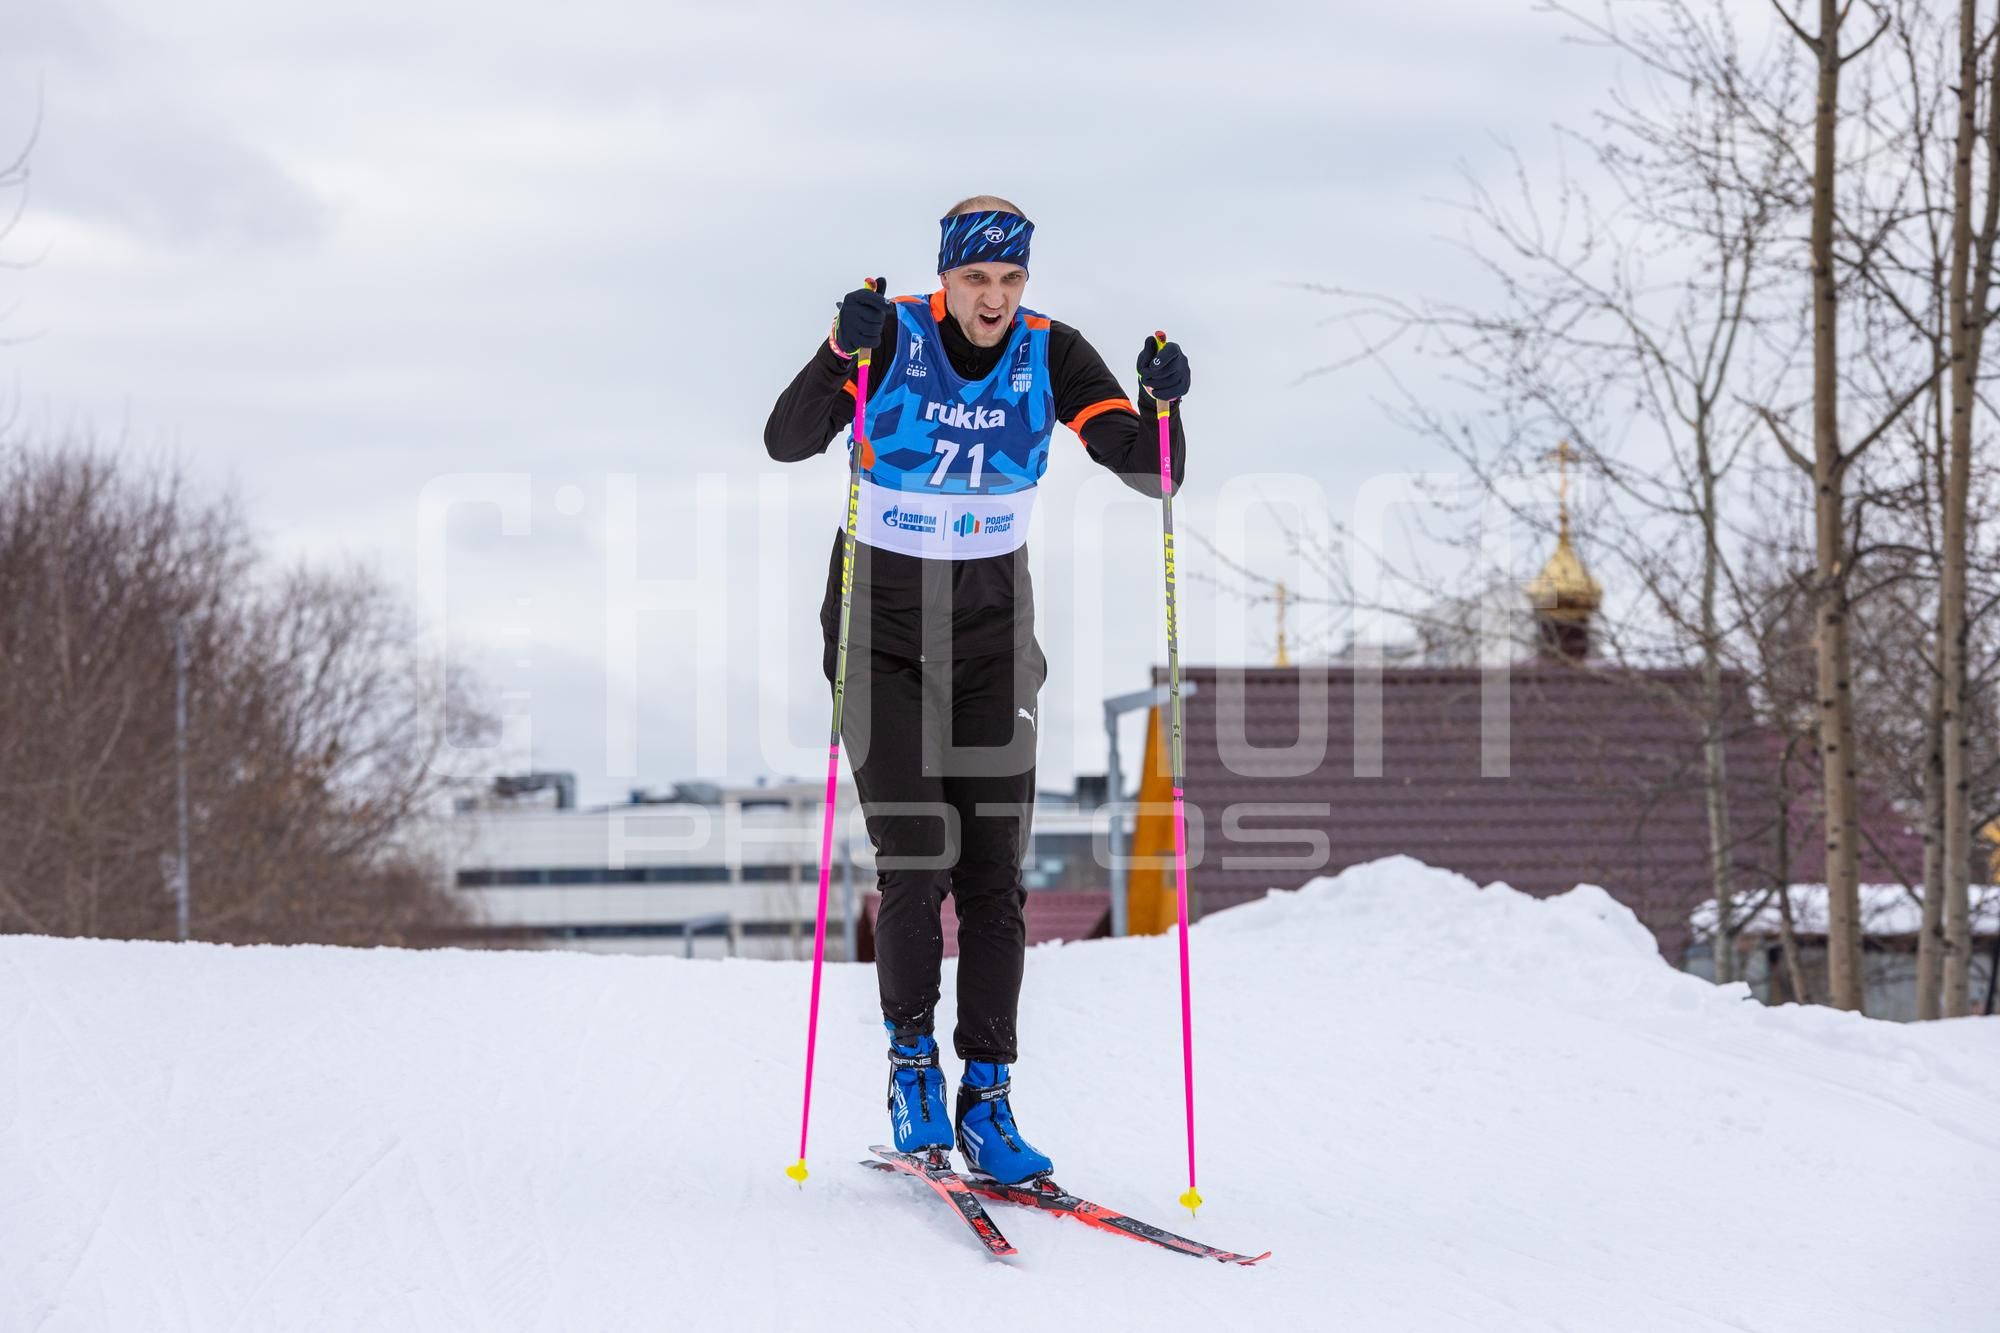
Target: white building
column 709, row 872
column 1891, row 918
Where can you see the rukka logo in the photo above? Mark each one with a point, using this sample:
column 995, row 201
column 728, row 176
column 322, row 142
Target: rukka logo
column 962, row 416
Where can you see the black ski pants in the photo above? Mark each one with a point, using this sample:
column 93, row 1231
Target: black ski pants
column 944, row 757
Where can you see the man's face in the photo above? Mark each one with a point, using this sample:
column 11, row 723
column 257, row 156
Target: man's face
column 983, row 299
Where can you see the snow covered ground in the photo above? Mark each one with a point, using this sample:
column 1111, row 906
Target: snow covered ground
column 1444, row 1107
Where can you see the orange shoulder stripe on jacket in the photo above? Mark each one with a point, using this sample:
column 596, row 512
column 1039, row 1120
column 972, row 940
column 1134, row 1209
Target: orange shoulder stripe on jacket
column 937, row 305
column 907, row 300
column 1081, row 419
column 1036, row 321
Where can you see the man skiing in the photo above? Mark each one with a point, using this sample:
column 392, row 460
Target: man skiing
column 966, row 388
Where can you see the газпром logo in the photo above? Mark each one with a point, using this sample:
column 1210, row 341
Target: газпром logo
column 909, row 520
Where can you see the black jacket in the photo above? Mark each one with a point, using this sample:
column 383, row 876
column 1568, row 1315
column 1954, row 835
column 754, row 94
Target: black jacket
column 990, row 601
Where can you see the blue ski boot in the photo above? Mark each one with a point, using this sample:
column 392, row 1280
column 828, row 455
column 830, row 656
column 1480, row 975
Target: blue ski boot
column 987, row 1135
column 916, row 1095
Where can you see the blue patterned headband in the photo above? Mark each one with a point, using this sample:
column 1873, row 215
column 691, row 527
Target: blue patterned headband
column 984, row 238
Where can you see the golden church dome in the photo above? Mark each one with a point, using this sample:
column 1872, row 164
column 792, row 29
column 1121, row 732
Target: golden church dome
column 1564, row 590
column 1564, row 595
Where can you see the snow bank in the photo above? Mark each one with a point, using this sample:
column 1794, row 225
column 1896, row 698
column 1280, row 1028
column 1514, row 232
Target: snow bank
column 1443, row 1106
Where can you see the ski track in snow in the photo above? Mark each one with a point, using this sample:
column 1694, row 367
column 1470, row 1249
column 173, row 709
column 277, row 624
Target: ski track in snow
column 277, row 1265
column 1443, row 1107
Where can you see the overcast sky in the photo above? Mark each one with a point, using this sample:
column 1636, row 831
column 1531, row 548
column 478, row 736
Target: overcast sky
column 357, row 261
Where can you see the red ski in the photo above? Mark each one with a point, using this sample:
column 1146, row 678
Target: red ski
column 1052, row 1198
column 936, row 1172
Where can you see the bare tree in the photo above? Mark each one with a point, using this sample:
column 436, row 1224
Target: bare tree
column 1916, row 254
column 310, row 732
column 13, row 204
column 1735, row 278
column 1972, row 251
column 1636, row 316
column 1828, row 467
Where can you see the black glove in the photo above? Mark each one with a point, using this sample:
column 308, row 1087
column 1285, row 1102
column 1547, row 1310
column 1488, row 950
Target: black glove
column 1163, row 371
column 864, row 313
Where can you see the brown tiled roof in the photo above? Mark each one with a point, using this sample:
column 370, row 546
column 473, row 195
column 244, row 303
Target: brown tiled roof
column 1052, row 914
column 1602, row 784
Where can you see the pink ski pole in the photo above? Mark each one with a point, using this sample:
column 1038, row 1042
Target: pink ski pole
column 1192, row 1199
column 856, row 448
